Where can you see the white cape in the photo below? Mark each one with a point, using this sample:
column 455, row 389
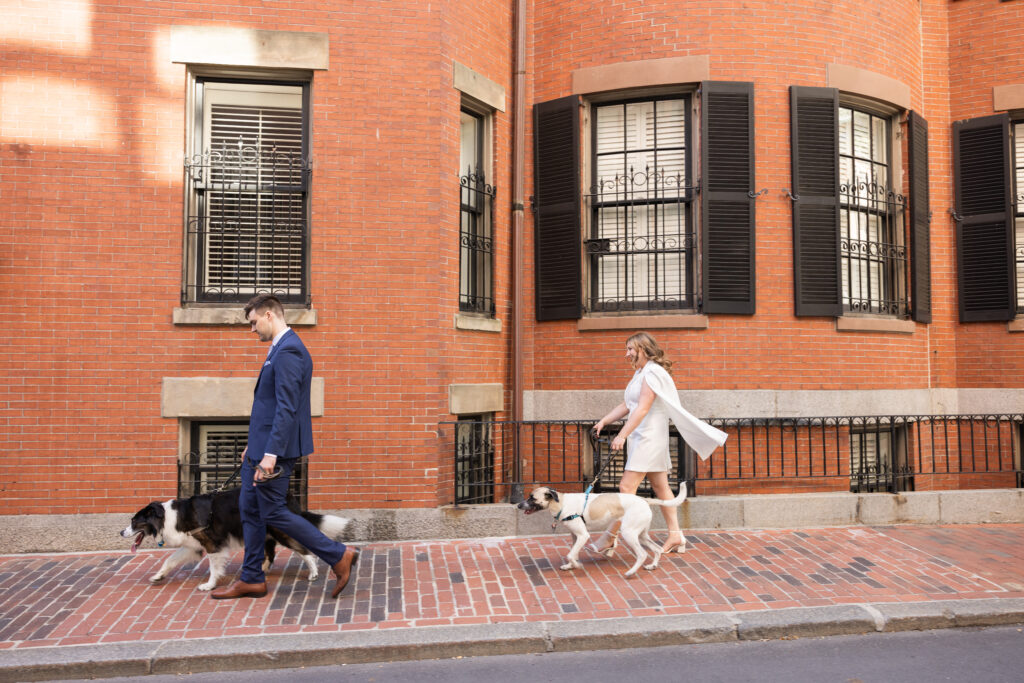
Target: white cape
column 698, row 435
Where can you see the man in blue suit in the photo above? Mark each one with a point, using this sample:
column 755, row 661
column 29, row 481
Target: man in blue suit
column 280, row 432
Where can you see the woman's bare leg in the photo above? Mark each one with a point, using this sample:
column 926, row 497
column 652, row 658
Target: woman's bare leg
column 629, row 483
column 659, row 482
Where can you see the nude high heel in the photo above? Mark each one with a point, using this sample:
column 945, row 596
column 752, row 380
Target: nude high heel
column 670, row 547
column 605, row 544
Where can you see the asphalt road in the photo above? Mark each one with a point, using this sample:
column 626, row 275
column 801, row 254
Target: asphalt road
column 991, row 655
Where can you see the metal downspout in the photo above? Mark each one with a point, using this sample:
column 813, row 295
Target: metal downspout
column 518, row 208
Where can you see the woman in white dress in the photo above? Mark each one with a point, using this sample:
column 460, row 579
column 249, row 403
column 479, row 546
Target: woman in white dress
column 651, row 400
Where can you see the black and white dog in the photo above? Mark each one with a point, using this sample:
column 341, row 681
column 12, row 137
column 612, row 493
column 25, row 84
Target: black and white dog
column 212, row 523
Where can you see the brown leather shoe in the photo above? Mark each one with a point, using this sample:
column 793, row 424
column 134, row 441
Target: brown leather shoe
column 240, row 589
column 343, row 570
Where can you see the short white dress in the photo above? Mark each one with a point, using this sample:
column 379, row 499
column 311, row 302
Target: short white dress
column 647, row 445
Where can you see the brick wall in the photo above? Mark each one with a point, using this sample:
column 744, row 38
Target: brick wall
column 90, row 174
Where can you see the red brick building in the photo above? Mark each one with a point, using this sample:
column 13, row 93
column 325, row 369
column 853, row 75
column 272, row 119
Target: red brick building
column 814, row 206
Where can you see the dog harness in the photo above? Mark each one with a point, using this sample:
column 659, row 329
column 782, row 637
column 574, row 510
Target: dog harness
column 577, row 515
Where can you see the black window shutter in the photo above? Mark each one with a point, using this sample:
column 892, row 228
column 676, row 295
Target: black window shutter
column 557, row 245
column 920, row 220
column 727, row 162
column 984, row 214
column 814, row 120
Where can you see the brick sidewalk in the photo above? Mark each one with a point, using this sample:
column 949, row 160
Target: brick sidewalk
column 86, row 598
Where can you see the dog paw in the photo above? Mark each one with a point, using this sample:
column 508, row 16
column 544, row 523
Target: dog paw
column 208, row 586
column 314, row 575
column 567, row 566
column 652, row 565
column 157, row 578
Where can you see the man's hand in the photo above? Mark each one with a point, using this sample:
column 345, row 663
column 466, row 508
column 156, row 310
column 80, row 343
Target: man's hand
column 268, row 463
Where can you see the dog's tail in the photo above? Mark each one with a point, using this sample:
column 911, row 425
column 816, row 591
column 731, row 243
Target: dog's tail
column 329, row 525
column 675, row 502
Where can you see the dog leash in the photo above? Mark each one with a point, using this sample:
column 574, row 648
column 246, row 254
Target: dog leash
column 595, row 443
column 267, row 476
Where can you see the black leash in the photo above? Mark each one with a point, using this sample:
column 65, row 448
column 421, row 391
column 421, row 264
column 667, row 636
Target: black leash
column 595, row 443
column 230, row 479
column 267, row 476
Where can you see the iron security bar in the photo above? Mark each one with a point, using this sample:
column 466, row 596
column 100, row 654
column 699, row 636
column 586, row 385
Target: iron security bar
column 872, row 251
column 641, row 243
column 476, row 243
column 247, row 223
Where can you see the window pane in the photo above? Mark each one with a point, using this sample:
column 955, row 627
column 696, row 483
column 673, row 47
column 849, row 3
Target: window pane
column 640, row 233
column 476, row 245
column 861, row 135
column 873, row 261
column 879, row 141
column 247, row 193
column 469, row 135
column 610, row 135
column 845, row 131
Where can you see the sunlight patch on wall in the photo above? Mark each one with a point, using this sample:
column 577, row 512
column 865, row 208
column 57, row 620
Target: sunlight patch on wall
column 52, row 25
column 57, row 112
column 160, row 144
column 168, row 74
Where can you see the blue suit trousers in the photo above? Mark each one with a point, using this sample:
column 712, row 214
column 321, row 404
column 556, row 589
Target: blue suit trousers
column 264, row 505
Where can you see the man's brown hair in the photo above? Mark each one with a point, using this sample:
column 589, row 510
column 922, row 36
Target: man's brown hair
column 263, row 302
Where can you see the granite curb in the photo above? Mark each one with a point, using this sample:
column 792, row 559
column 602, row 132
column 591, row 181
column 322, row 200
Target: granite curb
column 379, row 645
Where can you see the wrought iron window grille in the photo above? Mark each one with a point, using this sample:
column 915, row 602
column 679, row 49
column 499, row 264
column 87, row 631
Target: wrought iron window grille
column 213, row 461
column 872, row 251
column 474, row 461
column 1019, row 246
column 247, row 224
column 641, row 245
column 476, row 243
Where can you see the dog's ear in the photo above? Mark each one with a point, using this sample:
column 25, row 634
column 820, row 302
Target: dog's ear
column 551, row 494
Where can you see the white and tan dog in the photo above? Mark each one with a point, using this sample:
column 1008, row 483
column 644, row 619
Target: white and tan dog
column 579, row 511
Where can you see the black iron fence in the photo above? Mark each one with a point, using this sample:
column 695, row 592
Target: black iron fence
column 497, row 461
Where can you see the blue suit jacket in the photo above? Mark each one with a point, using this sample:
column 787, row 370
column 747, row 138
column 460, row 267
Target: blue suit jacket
column 281, row 421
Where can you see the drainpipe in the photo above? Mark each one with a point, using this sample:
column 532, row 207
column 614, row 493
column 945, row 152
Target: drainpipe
column 518, row 220
column 518, row 208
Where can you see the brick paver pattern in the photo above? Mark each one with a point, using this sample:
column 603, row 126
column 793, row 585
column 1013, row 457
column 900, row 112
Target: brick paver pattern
column 104, row 597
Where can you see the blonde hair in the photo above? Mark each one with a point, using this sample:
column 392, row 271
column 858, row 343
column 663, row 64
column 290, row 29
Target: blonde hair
column 645, row 342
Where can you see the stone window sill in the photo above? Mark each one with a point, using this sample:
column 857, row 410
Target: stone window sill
column 477, row 323
column 850, row 323
column 691, row 321
column 232, row 315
